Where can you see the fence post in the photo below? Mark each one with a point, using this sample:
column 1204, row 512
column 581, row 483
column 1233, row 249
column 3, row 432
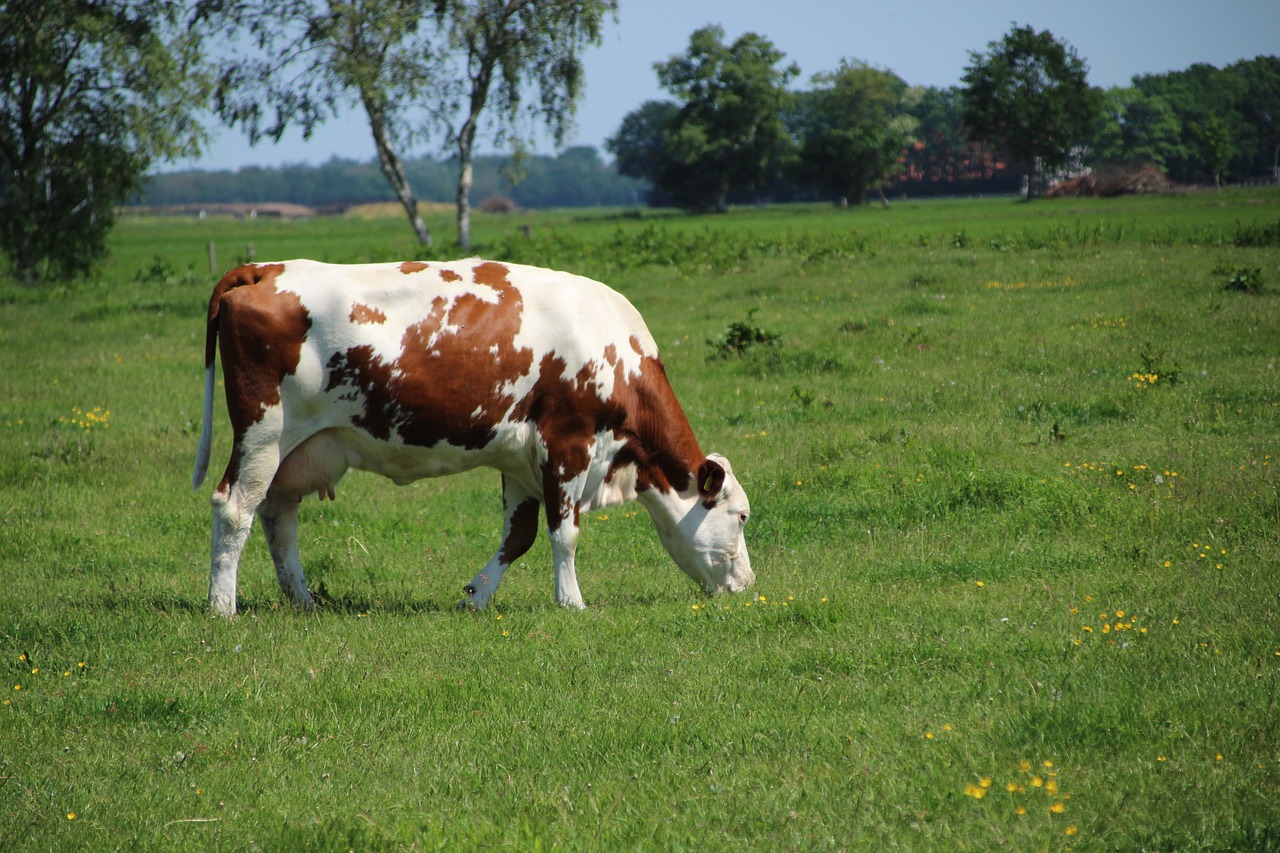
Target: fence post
column 213, row 259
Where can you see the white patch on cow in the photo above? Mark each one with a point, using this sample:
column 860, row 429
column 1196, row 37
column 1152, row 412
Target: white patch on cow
column 598, row 489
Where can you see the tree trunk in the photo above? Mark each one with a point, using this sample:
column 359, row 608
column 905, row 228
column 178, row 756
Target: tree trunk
column 394, row 170
column 466, row 142
column 464, row 188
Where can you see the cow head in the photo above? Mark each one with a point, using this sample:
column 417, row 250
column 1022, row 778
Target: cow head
column 703, row 529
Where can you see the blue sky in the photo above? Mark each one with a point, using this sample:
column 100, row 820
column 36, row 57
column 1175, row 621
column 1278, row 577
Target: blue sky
column 926, row 42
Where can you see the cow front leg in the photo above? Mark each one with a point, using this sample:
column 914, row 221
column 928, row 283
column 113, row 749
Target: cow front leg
column 563, row 502
column 279, row 517
column 564, row 543
column 519, row 530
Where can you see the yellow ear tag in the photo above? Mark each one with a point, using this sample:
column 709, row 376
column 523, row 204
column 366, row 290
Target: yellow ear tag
column 706, row 487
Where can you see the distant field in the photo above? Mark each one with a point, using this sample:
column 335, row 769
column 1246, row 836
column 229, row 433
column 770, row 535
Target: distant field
column 1015, row 479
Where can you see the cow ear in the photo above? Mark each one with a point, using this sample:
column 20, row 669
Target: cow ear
column 711, row 476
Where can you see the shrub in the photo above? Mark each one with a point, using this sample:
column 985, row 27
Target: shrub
column 742, row 336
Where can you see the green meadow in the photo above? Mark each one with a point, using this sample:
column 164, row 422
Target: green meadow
column 1015, row 479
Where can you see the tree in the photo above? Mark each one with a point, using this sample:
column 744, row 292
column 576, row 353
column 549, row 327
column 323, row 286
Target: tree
column 1213, row 137
column 413, row 66
column 1136, row 128
column 858, row 128
column 308, row 59
column 639, row 147
column 729, row 133
column 1029, row 94
column 501, row 45
column 91, row 94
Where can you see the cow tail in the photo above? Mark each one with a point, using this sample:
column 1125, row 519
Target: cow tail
column 233, row 279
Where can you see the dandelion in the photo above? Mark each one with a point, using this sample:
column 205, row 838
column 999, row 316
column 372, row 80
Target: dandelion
column 71, row 815
column 1058, row 808
column 1037, row 782
column 985, row 781
column 975, row 791
column 1071, row 830
column 1021, row 810
column 1024, row 765
column 928, row 735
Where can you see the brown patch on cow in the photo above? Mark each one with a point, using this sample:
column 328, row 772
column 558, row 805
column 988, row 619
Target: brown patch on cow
column 522, row 533
column 444, row 389
column 449, row 275
column 661, row 443
column 409, row 267
column 260, row 331
column 361, row 313
column 642, row 411
column 490, row 274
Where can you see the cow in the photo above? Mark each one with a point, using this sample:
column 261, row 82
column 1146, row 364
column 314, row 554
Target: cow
column 423, row 369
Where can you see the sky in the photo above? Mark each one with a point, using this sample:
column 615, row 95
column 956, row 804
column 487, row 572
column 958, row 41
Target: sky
column 925, row 42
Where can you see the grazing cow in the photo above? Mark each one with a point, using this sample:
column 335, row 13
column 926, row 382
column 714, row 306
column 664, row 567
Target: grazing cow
column 419, row 370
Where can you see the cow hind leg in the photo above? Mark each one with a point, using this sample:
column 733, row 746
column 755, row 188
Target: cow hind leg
column 519, row 530
column 232, row 521
column 279, row 517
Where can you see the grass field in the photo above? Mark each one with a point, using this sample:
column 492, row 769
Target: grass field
column 1015, row 479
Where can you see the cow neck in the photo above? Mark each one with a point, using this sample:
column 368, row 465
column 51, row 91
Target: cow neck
column 666, row 451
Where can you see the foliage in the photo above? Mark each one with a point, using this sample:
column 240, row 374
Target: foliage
column 453, row 59
column 742, row 335
column 1030, row 95
column 1240, row 279
column 953, row 596
column 728, row 133
column 1136, row 128
column 1213, row 138
column 1244, row 95
column 860, row 124
column 639, row 147
column 499, row 48
column 91, row 94
column 307, row 60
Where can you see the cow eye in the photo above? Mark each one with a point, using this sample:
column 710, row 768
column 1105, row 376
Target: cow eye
column 743, row 517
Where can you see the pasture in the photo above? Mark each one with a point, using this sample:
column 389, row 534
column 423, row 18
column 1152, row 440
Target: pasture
column 1015, row 479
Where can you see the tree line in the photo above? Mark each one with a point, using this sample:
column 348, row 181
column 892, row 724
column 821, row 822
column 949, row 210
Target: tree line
column 95, row 93
column 1024, row 113
column 576, row 177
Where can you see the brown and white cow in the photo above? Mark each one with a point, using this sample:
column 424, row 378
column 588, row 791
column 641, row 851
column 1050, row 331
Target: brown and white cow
column 419, row 370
